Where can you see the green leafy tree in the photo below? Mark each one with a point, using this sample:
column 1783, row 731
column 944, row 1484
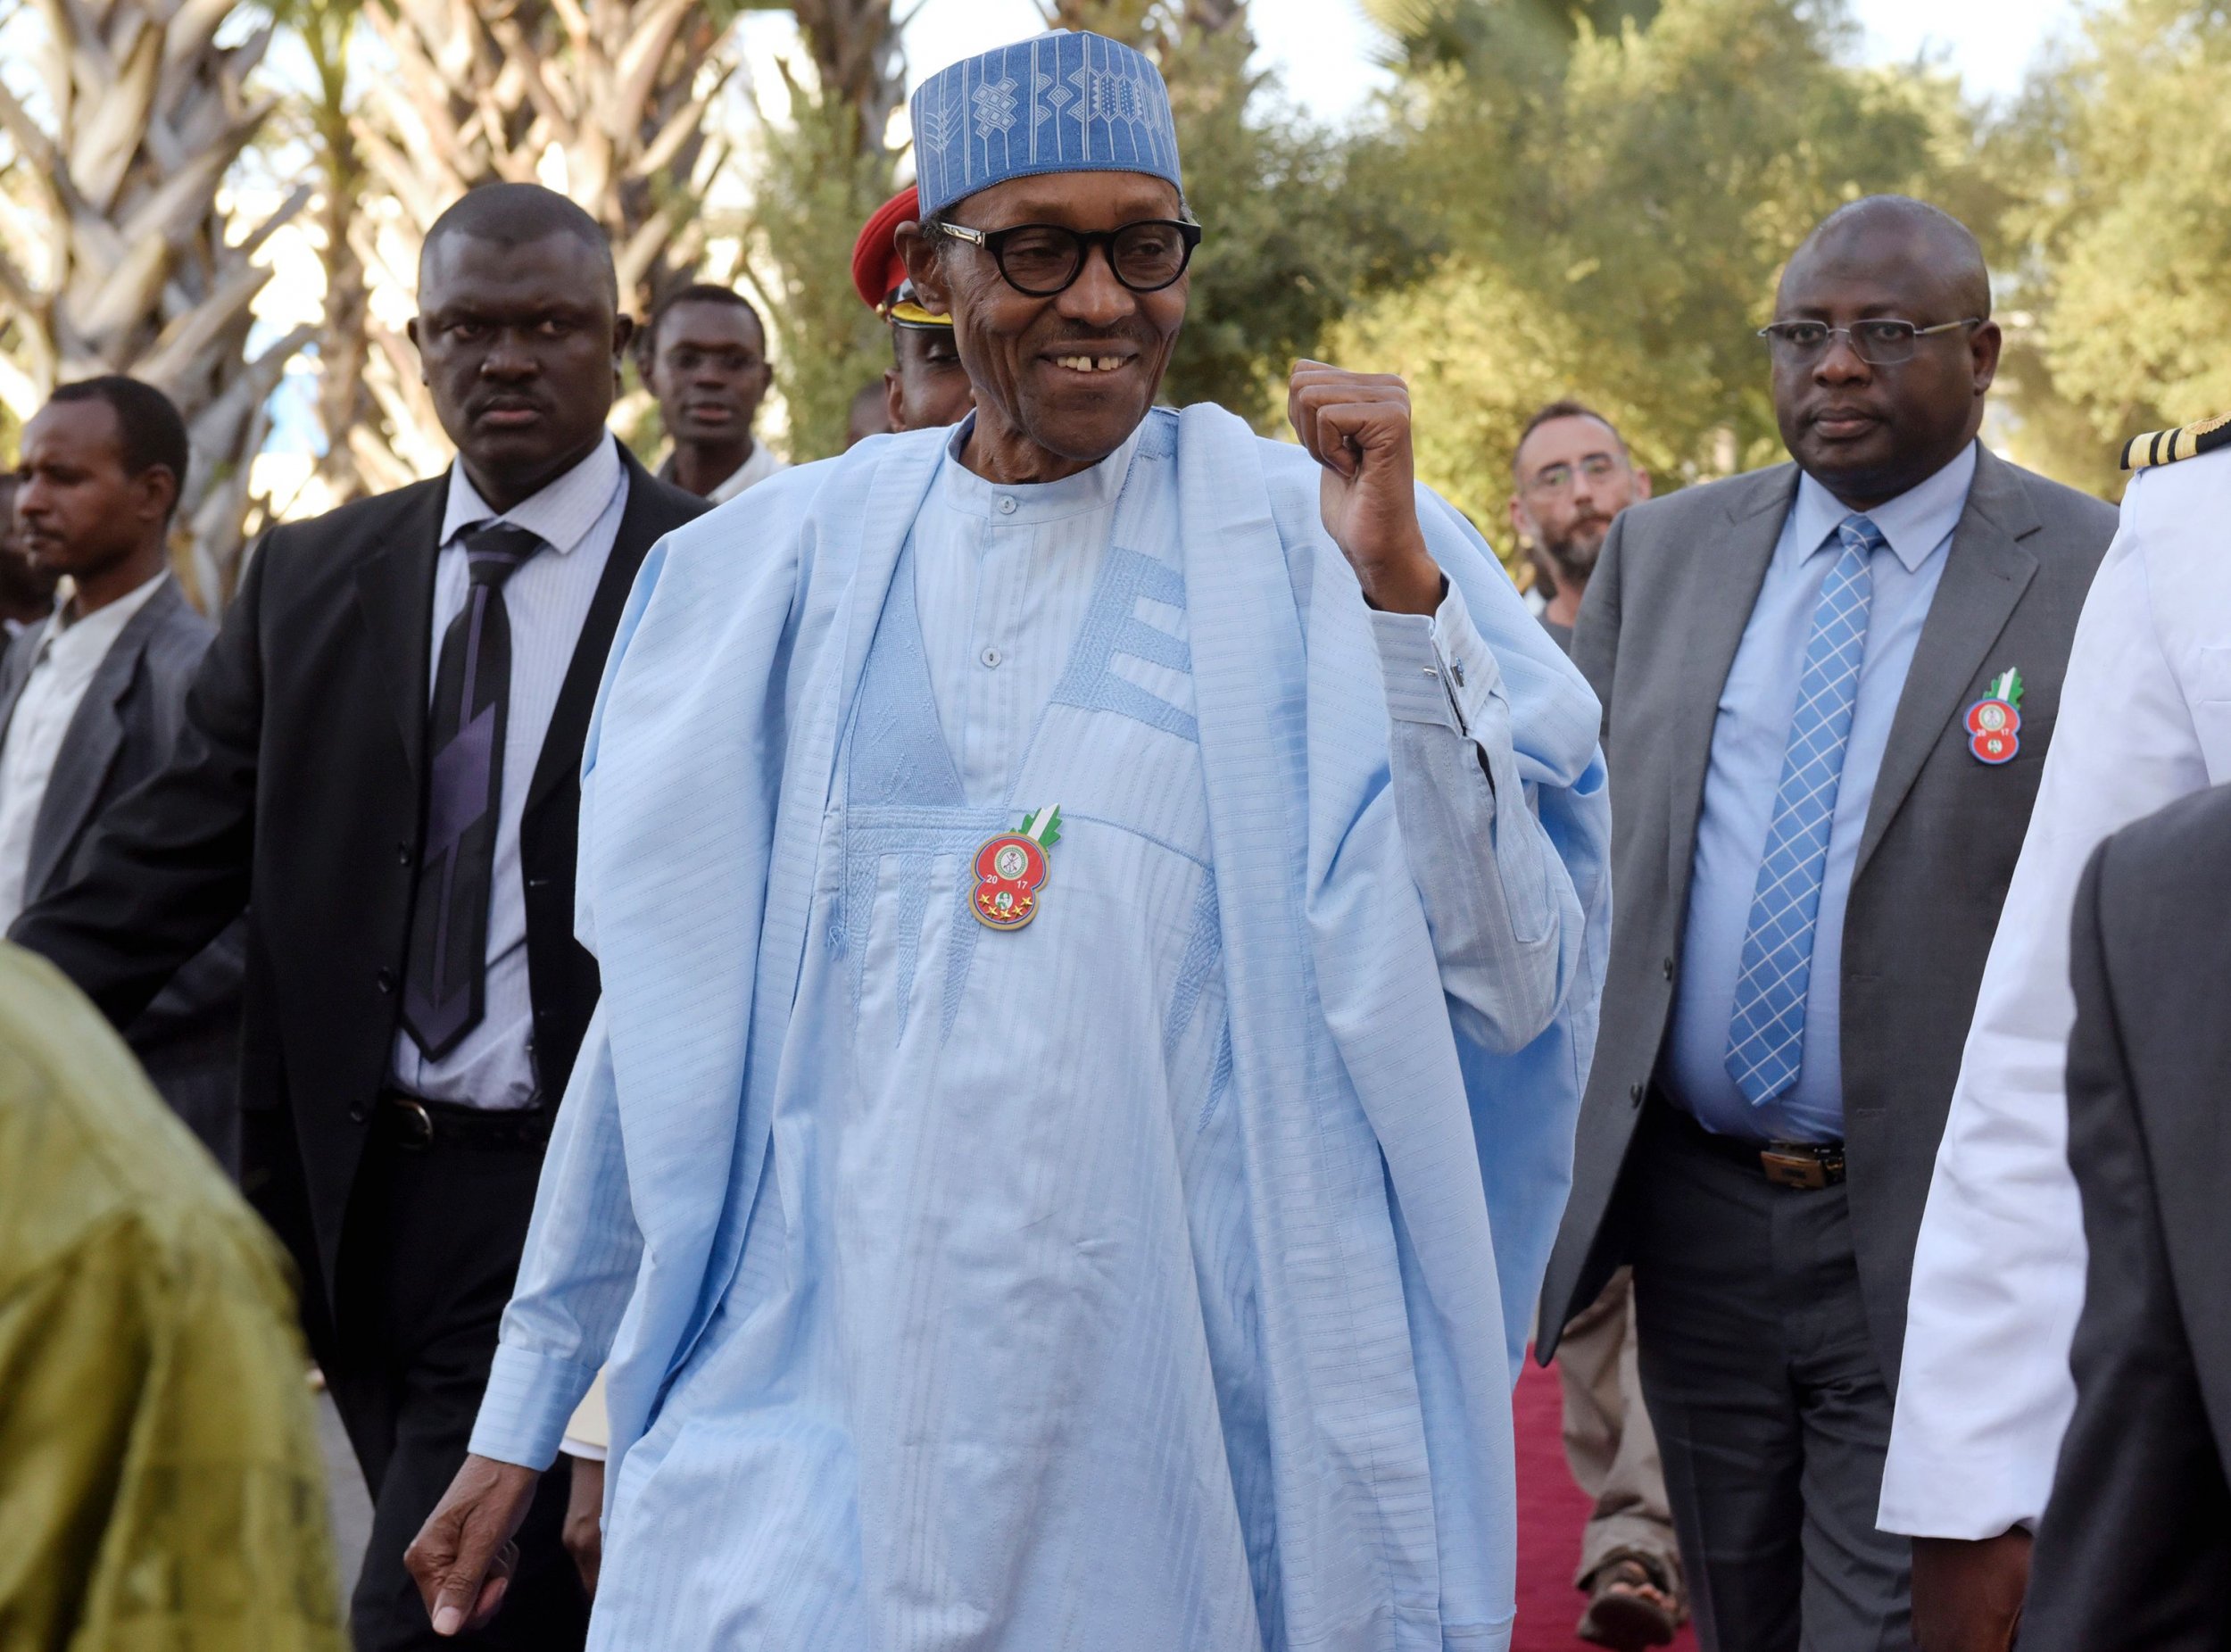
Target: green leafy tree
column 1452, row 33
column 1616, row 206
column 1479, row 354
column 2119, row 233
column 819, row 177
column 1294, row 237
column 817, row 184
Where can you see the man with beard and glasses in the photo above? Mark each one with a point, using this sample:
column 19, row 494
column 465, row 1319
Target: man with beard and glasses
column 1573, row 475
column 1830, row 688
column 1098, row 915
column 379, row 761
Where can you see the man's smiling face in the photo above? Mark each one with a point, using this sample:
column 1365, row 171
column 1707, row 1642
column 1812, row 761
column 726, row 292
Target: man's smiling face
column 1060, row 382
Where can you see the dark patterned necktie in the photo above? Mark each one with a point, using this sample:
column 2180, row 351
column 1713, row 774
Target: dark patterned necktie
column 472, row 696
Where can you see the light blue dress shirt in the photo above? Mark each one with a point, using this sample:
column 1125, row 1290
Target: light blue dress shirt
column 1748, row 738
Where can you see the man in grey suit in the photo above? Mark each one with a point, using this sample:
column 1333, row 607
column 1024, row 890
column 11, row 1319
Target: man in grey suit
column 2136, row 1542
column 91, row 699
column 1828, row 690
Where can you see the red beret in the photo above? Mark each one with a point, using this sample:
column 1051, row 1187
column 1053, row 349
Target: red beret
column 877, row 269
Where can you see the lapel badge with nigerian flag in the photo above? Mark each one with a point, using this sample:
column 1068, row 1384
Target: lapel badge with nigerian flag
column 1011, row 869
column 1994, row 722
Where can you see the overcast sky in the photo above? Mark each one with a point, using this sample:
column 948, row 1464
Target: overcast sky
column 1323, row 48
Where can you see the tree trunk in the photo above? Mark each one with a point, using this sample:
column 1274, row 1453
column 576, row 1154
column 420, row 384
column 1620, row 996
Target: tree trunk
column 603, row 99
column 819, row 180
column 358, row 458
column 857, row 60
column 129, row 269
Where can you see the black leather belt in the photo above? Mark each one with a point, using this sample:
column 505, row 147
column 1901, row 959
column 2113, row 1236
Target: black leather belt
column 416, row 1124
column 1804, row 1166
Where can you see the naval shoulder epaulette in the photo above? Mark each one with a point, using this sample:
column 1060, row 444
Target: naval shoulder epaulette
column 2166, row 447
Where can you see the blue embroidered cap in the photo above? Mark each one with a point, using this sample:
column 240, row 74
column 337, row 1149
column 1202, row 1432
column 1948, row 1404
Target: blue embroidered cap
column 1061, row 102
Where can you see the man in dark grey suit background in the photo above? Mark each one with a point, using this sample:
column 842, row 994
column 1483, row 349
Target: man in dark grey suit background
column 91, row 699
column 2136, row 1542
column 1825, row 719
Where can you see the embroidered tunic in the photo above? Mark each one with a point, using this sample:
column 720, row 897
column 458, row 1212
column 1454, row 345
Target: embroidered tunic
column 996, row 1364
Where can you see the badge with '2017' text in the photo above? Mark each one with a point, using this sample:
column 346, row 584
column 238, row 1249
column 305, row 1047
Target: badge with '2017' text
column 1011, row 869
column 1994, row 722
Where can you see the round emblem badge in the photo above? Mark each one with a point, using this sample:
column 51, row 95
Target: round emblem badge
column 1994, row 729
column 1011, row 869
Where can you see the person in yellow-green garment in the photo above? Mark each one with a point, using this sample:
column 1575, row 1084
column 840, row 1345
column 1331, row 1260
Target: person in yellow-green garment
column 160, row 1482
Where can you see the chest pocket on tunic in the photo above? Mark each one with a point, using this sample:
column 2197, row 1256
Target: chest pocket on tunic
column 1117, row 746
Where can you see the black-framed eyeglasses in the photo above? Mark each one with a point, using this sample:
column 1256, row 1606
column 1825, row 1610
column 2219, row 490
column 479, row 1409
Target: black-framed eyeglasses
column 1041, row 260
column 1881, row 341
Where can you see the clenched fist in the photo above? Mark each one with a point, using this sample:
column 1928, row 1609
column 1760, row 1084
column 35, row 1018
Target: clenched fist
column 1357, row 426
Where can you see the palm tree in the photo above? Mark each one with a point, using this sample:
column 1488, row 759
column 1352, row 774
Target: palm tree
column 605, row 99
column 359, row 457
column 120, row 252
column 857, row 59
column 819, row 177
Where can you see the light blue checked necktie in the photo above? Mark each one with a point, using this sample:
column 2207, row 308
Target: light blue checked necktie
column 1766, row 1035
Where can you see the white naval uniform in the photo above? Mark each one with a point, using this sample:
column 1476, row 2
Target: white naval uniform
column 1985, row 1392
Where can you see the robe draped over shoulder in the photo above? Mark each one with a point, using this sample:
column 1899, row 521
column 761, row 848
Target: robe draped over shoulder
column 1405, row 1183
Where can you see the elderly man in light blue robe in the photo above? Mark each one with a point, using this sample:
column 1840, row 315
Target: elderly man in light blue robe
column 1101, row 919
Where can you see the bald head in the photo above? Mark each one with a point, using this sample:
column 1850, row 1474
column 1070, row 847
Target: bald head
column 1936, row 246
column 519, row 335
column 1883, row 348
column 516, row 215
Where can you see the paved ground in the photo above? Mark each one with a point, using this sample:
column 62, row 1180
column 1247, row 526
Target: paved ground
column 351, row 1509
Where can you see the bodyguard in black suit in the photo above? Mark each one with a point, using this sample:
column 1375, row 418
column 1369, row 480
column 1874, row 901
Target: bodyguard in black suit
column 379, row 763
column 2135, row 1544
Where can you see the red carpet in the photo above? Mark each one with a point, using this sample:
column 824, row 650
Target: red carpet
column 1551, row 1513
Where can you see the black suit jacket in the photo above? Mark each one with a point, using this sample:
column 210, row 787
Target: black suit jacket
column 1660, row 625
column 2135, row 1547
column 297, row 792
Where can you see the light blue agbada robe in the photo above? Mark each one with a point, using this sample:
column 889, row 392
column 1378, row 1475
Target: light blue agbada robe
column 1152, row 1277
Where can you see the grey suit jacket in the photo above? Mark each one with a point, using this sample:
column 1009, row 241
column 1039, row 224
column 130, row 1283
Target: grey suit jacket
column 121, row 733
column 2137, row 1541
column 1658, row 631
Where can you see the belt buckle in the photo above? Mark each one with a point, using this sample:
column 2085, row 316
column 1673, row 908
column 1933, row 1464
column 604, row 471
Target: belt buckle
column 1793, row 1167
column 418, row 1134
